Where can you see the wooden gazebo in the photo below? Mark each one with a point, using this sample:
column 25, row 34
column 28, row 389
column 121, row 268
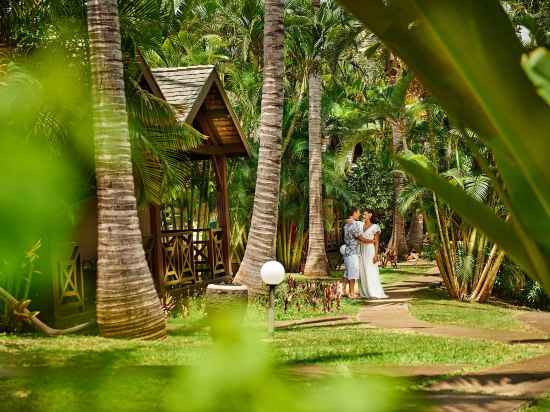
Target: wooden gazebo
column 181, row 259
column 186, row 258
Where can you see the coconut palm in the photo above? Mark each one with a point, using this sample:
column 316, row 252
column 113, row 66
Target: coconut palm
column 388, row 105
column 263, row 228
column 127, row 302
column 318, row 34
column 316, row 262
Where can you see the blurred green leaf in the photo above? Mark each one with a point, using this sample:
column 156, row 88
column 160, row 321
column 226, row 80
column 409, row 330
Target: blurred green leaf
column 39, row 185
column 537, row 66
column 475, row 212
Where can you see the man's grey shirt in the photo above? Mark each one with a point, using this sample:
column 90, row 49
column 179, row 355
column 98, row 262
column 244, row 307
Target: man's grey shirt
column 351, row 232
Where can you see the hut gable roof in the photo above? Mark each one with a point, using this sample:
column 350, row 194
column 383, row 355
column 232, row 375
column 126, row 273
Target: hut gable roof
column 197, row 95
column 182, row 87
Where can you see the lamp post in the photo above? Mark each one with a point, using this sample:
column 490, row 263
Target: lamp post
column 273, row 273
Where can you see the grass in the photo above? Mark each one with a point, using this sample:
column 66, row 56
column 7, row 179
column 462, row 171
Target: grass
column 388, row 275
column 367, row 347
column 73, row 373
column 80, row 373
column 188, row 341
column 436, row 307
column 539, row 405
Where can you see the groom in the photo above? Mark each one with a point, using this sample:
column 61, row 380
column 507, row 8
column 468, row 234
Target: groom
column 353, row 234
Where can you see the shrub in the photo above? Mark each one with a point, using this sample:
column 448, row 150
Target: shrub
column 18, row 284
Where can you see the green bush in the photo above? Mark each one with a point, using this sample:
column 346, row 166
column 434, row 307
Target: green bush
column 18, row 284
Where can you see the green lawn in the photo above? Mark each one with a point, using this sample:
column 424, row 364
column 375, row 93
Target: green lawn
column 540, row 405
column 436, row 307
column 320, row 345
column 388, row 275
column 90, row 373
column 80, row 373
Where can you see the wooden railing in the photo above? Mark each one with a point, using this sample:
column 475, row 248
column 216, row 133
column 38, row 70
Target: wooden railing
column 68, row 284
column 192, row 257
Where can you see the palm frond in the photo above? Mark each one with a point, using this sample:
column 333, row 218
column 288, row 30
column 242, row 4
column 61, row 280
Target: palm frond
column 399, row 91
column 346, row 149
column 478, row 187
column 410, row 195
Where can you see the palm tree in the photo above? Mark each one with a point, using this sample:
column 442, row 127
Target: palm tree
column 389, row 106
column 5, row 8
column 415, row 235
column 398, row 240
column 127, row 302
column 316, row 262
column 263, row 228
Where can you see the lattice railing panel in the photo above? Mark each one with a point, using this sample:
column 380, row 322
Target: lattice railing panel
column 68, row 287
column 218, row 266
column 192, row 256
column 178, row 259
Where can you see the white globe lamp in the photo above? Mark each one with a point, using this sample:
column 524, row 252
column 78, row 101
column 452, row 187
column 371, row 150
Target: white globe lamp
column 272, row 273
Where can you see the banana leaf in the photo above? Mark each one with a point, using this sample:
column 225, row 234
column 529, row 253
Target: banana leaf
column 537, row 67
column 473, row 211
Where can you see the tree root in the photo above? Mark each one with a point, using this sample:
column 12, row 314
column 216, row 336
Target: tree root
column 21, row 311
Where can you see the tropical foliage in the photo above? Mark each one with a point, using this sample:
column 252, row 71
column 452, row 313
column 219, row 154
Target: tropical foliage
column 506, row 113
column 374, row 104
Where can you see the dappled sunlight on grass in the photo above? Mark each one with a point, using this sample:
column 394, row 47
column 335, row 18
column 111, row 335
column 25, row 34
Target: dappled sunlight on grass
column 435, row 306
column 539, row 405
column 377, row 347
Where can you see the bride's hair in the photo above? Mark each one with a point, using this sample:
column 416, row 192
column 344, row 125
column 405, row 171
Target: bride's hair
column 374, row 215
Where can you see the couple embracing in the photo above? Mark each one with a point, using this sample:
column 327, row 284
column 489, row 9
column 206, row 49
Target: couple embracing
column 360, row 251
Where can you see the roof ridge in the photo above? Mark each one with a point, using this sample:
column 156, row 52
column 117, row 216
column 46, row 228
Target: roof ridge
column 200, row 66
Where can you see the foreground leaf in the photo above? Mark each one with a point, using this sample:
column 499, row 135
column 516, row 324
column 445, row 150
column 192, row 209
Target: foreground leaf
column 476, row 213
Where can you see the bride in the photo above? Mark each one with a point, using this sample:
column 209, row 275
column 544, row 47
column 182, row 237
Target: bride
column 369, row 281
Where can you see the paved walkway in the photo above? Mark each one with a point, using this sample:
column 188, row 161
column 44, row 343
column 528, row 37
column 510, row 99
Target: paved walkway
column 503, row 388
column 500, row 389
column 394, row 314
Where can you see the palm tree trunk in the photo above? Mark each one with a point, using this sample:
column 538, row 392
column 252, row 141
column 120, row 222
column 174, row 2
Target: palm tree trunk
column 295, row 115
column 262, row 238
column 127, row 302
column 317, row 261
column 398, row 241
column 488, row 276
column 415, row 237
column 5, row 9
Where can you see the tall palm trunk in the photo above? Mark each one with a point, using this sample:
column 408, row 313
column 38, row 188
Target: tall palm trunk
column 127, row 302
column 415, row 237
column 5, row 9
column 398, row 241
column 263, row 228
column 317, row 261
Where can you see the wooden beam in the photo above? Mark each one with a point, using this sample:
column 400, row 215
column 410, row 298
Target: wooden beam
column 148, row 76
column 158, row 252
column 232, row 113
column 198, row 103
column 218, row 113
column 232, row 148
column 220, row 168
column 208, row 128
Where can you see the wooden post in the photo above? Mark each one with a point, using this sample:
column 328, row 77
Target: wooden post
column 158, row 252
column 220, row 167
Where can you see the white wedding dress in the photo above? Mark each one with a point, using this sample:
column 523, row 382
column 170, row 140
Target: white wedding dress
column 369, row 274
